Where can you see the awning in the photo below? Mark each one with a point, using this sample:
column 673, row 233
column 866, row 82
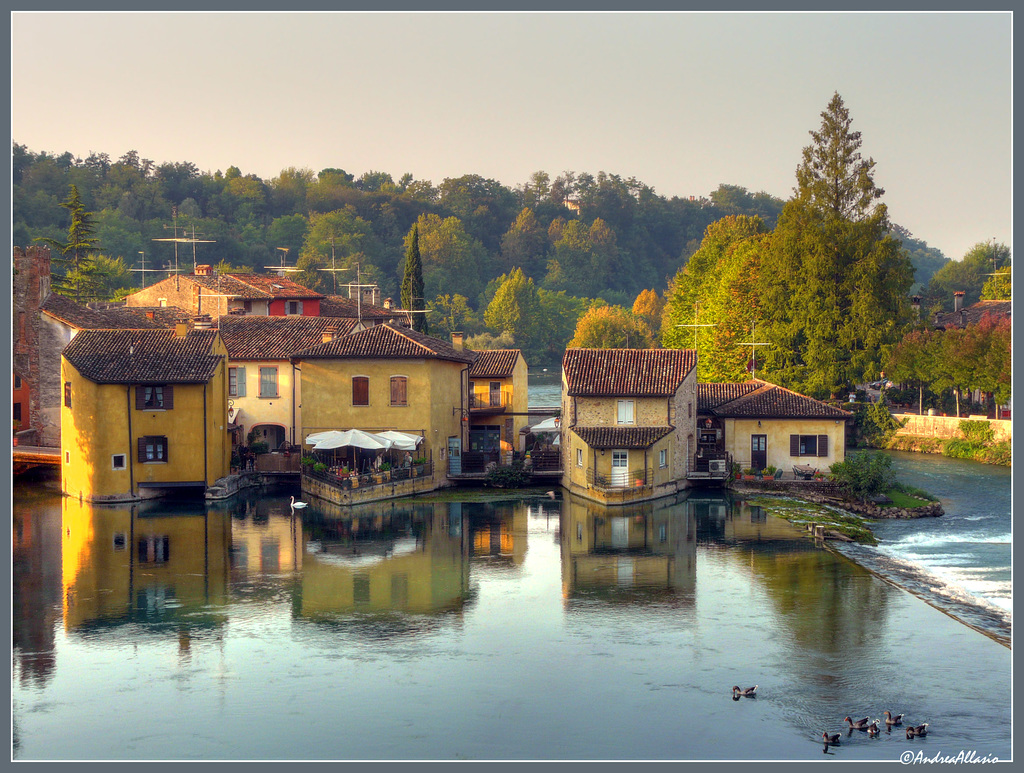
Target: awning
column 403, row 441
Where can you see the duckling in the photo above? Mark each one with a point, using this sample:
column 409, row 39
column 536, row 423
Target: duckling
column 830, row 738
column 859, row 724
column 891, row 720
column 920, row 731
column 746, row 692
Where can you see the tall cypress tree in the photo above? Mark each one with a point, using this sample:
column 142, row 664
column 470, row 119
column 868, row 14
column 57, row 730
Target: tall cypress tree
column 835, row 283
column 412, row 283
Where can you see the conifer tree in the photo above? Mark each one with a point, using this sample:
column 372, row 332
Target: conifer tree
column 75, row 253
column 412, row 283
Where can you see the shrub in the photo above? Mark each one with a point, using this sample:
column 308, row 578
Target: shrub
column 259, row 447
column 509, row 476
column 863, row 475
column 319, row 467
column 308, row 459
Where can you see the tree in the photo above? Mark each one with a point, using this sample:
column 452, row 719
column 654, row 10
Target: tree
column 412, row 283
column 648, row 307
column 450, row 314
column 610, row 327
column 834, row 281
column 524, row 244
column 451, row 258
column 967, row 275
column 515, row 308
column 998, row 287
column 77, row 250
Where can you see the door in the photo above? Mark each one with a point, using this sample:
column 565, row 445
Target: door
column 495, row 394
column 454, row 456
column 758, row 451
column 620, row 468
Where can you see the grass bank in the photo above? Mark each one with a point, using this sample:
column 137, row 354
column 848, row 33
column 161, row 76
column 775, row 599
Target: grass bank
column 801, row 513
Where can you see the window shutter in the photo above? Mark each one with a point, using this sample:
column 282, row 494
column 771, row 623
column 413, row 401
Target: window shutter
column 822, row 445
column 140, row 398
column 167, row 449
column 360, row 390
column 142, row 449
column 240, row 379
column 168, row 397
column 794, row 445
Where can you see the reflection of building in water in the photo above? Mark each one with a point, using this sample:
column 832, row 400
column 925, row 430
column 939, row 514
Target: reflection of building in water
column 498, row 532
column 150, row 564
column 385, row 558
column 646, row 546
column 35, row 565
column 265, row 538
column 720, row 518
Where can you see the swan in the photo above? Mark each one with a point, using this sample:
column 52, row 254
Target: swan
column 297, row 505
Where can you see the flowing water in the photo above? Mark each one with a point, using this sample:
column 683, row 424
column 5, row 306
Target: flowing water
column 469, row 627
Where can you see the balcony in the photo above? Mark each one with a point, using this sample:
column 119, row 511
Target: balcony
column 621, row 481
column 495, row 402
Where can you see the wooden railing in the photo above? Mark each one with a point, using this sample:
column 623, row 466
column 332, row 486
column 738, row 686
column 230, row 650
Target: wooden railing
column 382, row 478
column 489, row 402
column 632, row 479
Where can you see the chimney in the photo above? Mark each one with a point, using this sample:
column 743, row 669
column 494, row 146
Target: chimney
column 150, row 315
column 457, row 340
column 203, row 323
column 915, row 305
column 204, row 270
column 180, row 329
column 387, row 303
column 328, row 336
column 958, row 300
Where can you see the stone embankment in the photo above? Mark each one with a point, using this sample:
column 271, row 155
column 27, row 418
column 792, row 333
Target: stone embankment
column 870, row 510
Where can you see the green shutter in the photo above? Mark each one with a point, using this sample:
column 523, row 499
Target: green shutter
column 240, row 382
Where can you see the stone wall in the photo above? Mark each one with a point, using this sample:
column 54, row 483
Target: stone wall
column 948, row 426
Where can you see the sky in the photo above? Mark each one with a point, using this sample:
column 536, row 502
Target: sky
column 683, row 102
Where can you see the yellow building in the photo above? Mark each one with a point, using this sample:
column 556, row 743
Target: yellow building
column 263, row 391
column 498, row 402
column 143, row 412
column 390, row 378
column 759, row 425
column 628, row 422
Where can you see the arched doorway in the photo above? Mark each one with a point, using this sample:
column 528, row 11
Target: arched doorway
column 271, row 434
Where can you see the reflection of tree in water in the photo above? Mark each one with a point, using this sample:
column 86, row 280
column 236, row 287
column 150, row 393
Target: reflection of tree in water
column 36, row 590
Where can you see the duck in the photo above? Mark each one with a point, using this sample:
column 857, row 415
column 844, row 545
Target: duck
column 550, row 494
column 746, row 692
column 859, row 724
column 892, row 720
column 830, row 739
column 920, row 730
column 298, row 505
column 873, row 728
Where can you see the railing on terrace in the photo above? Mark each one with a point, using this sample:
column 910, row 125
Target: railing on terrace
column 278, row 462
column 546, row 461
column 346, row 481
column 631, row 479
column 711, row 465
column 489, row 402
column 475, row 462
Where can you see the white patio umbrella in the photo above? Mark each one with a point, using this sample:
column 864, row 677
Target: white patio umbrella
column 403, row 441
column 322, row 441
column 548, row 425
column 351, row 437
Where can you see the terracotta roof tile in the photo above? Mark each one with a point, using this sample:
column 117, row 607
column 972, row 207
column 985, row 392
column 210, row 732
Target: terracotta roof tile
column 974, row 313
column 387, row 341
column 144, row 356
column 340, row 306
column 494, row 363
column 621, row 437
column 627, row 372
column 227, row 284
column 276, row 338
column 761, row 399
column 84, row 318
column 276, row 286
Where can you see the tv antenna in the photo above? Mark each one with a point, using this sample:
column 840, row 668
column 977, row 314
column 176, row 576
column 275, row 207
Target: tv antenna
column 184, row 239
column 753, row 355
column 283, row 268
column 694, row 325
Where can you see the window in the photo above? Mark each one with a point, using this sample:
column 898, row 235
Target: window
column 625, row 412
column 17, row 381
column 808, row 445
column 67, row 393
column 16, row 412
column 398, row 390
column 236, row 382
column 360, row 390
column 67, row 457
column 117, row 462
column 294, row 307
column 154, row 550
column 268, row 382
column 154, row 397
column 579, row 457
column 152, row 449
column 663, row 458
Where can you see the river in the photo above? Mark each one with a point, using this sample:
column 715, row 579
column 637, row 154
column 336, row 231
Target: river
column 474, row 626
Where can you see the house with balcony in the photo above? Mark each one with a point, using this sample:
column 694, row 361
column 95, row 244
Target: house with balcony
column 757, row 424
column 264, row 393
column 386, row 378
column 628, row 422
column 498, row 405
column 143, row 414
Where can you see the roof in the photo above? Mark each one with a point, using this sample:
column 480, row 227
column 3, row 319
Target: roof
column 276, row 286
column 621, row 437
column 973, row 314
column 275, row 338
column 626, row 372
column 167, row 316
column 84, row 318
column 144, row 356
column 340, row 306
column 226, row 284
column 757, row 399
column 387, row 341
column 494, row 363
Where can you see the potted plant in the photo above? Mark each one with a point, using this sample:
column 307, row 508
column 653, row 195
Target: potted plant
column 319, row 467
column 417, row 465
column 308, row 460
